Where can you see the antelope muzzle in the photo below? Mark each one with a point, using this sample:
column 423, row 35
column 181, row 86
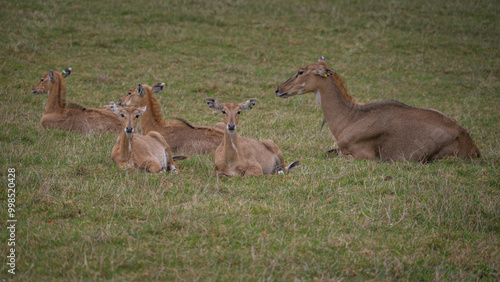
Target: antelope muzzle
column 231, row 128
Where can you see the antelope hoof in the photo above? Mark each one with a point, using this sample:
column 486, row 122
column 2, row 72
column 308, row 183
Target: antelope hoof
column 222, row 175
column 174, row 169
column 333, row 153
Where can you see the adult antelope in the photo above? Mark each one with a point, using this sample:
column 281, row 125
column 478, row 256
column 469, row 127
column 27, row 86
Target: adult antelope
column 146, row 152
column 180, row 134
column 243, row 156
column 71, row 117
column 388, row 130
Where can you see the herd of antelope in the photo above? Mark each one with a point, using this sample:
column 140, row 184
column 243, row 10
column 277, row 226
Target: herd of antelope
column 385, row 131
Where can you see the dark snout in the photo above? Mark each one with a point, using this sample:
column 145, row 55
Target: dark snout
column 231, row 127
column 281, row 95
column 129, row 129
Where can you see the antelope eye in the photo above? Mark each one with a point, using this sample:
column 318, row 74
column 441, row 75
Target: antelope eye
column 137, row 116
column 223, row 112
column 41, row 79
column 238, row 112
column 300, row 72
column 122, row 115
column 129, row 93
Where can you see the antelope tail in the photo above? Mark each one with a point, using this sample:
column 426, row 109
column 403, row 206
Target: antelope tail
column 287, row 169
column 292, row 166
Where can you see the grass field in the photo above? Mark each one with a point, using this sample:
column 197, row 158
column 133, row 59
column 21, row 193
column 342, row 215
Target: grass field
column 79, row 217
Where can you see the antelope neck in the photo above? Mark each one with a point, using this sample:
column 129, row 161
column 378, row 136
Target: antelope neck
column 338, row 110
column 230, row 143
column 126, row 145
column 55, row 102
column 152, row 117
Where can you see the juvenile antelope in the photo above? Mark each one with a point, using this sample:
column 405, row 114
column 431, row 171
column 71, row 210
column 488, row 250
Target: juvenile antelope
column 71, row 117
column 238, row 156
column 146, row 152
column 180, row 134
column 388, row 131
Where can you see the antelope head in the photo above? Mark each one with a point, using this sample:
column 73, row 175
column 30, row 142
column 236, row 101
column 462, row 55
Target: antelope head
column 45, row 83
column 136, row 95
column 231, row 111
column 130, row 115
column 307, row 79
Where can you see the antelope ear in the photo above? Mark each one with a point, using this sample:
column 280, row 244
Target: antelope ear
column 214, row 104
column 51, row 76
column 324, row 72
column 143, row 110
column 114, row 108
column 158, row 88
column 66, row 72
column 140, row 90
column 248, row 105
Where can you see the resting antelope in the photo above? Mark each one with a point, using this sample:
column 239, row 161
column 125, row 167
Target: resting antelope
column 71, row 117
column 146, row 152
column 388, row 130
column 180, row 135
column 243, row 156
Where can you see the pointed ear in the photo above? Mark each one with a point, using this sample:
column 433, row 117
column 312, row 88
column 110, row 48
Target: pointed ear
column 248, row 105
column 140, row 90
column 324, row 72
column 158, row 88
column 143, row 110
column 66, row 72
column 214, row 104
column 51, row 76
column 114, row 108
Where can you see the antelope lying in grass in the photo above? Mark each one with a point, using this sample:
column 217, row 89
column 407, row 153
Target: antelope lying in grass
column 243, row 156
column 180, row 135
column 146, row 152
column 71, row 117
column 388, row 130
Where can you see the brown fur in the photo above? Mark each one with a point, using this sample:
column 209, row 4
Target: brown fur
column 72, row 117
column 388, row 130
column 145, row 152
column 239, row 156
column 181, row 136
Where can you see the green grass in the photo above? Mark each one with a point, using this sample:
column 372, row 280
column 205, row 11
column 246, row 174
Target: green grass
column 82, row 218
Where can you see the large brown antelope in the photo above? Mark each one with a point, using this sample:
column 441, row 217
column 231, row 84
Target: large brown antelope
column 146, row 152
column 180, row 134
column 388, row 131
column 238, row 156
column 71, row 117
